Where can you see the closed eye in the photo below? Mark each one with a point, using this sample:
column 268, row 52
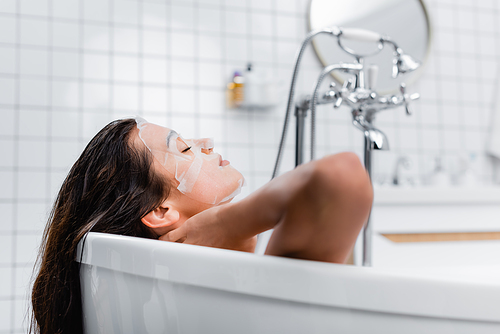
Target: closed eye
column 187, row 149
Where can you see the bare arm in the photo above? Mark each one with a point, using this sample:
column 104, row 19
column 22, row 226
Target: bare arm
column 316, row 210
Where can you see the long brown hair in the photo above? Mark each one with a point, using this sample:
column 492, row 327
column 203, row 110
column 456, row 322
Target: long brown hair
column 109, row 189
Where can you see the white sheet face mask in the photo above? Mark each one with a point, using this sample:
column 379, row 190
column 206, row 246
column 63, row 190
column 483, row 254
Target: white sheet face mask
column 201, row 173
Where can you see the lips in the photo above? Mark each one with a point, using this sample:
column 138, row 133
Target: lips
column 223, row 163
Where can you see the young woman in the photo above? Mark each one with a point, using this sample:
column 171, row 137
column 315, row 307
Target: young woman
column 140, row 179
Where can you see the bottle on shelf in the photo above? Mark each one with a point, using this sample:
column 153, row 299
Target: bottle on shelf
column 235, row 95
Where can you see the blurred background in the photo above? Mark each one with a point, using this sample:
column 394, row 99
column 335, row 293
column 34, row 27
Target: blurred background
column 68, row 67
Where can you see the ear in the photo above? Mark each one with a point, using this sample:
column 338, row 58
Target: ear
column 162, row 216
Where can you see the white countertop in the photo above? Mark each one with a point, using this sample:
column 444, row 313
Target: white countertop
column 436, row 195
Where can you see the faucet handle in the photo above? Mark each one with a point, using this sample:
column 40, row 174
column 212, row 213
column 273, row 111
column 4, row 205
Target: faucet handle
column 336, row 94
column 372, row 76
column 407, row 98
column 338, row 102
column 347, row 84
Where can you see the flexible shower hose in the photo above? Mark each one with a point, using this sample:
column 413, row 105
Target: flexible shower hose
column 298, row 58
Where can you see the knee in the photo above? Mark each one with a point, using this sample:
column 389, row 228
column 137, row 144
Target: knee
column 347, row 175
column 355, row 181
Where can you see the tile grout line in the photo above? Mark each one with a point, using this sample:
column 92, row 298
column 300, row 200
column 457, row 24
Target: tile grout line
column 50, row 109
column 140, row 59
column 111, row 52
column 197, row 68
column 15, row 172
column 81, row 43
column 168, row 66
column 459, row 86
column 439, row 102
column 249, row 116
column 223, row 60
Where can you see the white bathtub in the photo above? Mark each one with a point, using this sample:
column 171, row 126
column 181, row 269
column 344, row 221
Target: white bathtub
column 134, row 285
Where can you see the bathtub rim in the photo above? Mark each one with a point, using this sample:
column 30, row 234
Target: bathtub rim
column 335, row 285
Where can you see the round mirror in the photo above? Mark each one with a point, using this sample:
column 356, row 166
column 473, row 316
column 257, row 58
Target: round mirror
column 406, row 22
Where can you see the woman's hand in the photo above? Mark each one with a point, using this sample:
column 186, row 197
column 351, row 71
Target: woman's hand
column 211, row 228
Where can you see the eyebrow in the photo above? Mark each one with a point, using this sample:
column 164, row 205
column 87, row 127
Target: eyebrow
column 169, row 136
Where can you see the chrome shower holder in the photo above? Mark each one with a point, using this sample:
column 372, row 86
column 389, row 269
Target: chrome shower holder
column 358, row 93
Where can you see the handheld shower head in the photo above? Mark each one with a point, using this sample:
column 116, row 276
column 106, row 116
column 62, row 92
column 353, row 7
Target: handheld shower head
column 404, row 63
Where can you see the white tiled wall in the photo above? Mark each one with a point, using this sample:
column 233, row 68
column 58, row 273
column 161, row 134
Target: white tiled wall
column 68, row 67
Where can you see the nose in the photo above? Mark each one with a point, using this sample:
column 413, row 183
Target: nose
column 207, row 150
column 207, row 145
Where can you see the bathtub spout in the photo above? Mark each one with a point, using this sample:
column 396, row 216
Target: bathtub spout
column 376, row 139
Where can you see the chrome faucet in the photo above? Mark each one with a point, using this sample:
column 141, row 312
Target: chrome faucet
column 401, row 162
column 358, row 93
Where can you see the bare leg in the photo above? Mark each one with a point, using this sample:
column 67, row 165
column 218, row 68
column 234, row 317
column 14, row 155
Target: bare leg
column 323, row 222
